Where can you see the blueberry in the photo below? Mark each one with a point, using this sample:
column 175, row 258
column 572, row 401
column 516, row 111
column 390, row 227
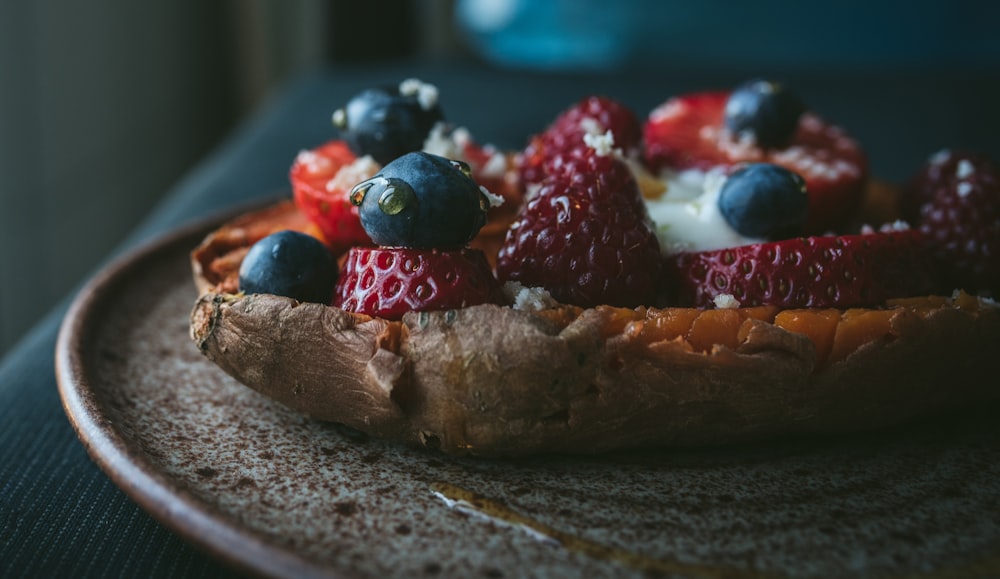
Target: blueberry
column 292, row 264
column 764, row 201
column 387, row 122
column 766, row 110
column 421, row 200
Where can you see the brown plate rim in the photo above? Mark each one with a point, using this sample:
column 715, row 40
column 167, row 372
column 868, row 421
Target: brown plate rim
column 124, row 463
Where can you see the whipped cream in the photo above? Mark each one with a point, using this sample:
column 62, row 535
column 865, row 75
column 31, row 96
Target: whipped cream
column 687, row 214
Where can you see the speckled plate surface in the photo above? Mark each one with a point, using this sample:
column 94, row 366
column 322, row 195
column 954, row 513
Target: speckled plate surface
column 280, row 495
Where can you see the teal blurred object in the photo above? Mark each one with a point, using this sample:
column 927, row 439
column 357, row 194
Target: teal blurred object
column 597, row 35
column 550, row 34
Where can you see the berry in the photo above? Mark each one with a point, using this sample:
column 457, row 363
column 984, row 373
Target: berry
column 688, row 132
column 585, row 236
column 292, row 264
column 321, row 183
column 815, row 272
column 388, row 282
column 765, row 111
column 955, row 201
column 387, row 122
column 490, row 169
column 421, row 200
column 764, row 201
column 594, row 116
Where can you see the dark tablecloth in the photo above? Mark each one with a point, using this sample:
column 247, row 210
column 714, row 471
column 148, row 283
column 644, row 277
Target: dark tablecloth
column 61, row 516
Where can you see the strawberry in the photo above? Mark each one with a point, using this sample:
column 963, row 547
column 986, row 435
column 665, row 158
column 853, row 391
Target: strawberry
column 489, row 166
column 585, row 236
column 593, row 115
column 689, row 132
column 817, row 272
column 955, row 200
column 322, row 179
column 387, row 282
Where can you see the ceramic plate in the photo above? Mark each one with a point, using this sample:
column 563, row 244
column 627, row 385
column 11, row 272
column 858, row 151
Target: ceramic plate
column 280, row 495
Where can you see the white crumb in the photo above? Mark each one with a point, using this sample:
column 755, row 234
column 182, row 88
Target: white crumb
column 726, row 301
column 529, row 299
column 426, row 93
column 494, row 199
column 362, row 169
column 965, row 169
column 602, row 144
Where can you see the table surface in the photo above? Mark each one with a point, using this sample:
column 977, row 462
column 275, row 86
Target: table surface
column 61, row 516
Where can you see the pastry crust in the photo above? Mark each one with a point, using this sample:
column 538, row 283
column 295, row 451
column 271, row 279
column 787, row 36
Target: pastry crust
column 495, row 381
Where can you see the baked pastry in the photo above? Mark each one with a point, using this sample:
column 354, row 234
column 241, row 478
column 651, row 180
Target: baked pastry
column 599, row 339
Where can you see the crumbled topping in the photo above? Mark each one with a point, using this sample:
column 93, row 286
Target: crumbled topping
column 602, row 144
column 529, row 299
column 965, row 169
column 362, row 169
column 897, row 225
column 445, row 142
column 866, row 229
column 494, row 199
column 313, row 162
column 964, row 188
column 427, row 94
column 726, row 301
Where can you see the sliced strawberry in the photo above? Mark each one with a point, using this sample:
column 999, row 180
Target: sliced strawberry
column 490, row 167
column 955, row 200
column 322, row 179
column 585, row 236
column 687, row 132
column 387, row 282
column 816, row 272
column 593, row 115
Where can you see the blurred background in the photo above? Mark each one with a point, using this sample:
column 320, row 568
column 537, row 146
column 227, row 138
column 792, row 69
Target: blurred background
column 104, row 105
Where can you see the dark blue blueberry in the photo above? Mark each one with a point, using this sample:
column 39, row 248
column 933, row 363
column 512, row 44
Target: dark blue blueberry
column 292, row 264
column 764, row 201
column 385, row 123
column 767, row 110
column 421, row 200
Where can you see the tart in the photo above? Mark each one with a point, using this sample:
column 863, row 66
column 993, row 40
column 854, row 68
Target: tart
column 549, row 360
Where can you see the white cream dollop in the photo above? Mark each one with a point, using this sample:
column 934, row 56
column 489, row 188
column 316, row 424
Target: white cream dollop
column 687, row 215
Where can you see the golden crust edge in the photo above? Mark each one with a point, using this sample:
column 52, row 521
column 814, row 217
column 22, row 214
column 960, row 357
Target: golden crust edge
column 489, row 380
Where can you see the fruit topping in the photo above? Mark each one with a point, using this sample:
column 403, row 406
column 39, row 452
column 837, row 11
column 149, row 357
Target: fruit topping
column 422, row 209
column 955, row 201
column 421, row 200
column 586, row 235
column 766, row 112
column 690, row 132
column 764, row 200
column 388, row 282
column 387, row 122
column 589, row 119
column 292, row 264
column 816, row 272
column 321, row 180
